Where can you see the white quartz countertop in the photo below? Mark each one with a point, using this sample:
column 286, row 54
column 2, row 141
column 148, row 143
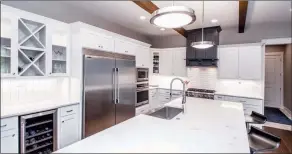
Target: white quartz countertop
column 207, row 126
column 240, row 93
column 17, row 110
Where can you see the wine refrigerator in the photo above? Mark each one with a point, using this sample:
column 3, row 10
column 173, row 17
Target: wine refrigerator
column 38, row 133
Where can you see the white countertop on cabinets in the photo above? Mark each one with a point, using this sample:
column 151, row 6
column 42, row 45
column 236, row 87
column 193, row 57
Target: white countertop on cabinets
column 17, row 110
column 208, row 126
column 242, row 93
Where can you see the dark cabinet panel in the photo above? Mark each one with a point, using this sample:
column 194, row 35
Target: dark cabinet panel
column 202, row 57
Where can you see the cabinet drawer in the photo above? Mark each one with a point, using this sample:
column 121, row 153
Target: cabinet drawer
column 9, row 123
column 142, row 109
column 164, row 91
column 65, row 111
column 9, row 141
column 164, row 99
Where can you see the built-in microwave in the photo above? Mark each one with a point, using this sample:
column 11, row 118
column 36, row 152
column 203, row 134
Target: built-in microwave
column 142, row 74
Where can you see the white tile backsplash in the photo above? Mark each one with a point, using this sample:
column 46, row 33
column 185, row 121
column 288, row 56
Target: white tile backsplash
column 207, row 78
column 202, row 77
column 33, row 90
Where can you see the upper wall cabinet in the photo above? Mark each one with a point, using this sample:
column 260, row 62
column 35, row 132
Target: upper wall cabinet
column 32, row 48
column 169, row 61
column 27, row 44
column 124, row 47
column 7, row 31
column 142, row 57
column 179, row 62
column 97, row 41
column 250, row 62
column 60, row 50
column 241, row 62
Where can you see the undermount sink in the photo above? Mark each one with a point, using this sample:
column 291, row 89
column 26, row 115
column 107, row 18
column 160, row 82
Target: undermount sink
column 166, row 113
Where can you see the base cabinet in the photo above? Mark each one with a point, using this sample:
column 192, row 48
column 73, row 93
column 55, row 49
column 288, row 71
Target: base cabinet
column 9, row 135
column 249, row 104
column 69, row 126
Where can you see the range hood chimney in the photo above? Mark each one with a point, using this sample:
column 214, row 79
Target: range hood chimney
column 202, row 57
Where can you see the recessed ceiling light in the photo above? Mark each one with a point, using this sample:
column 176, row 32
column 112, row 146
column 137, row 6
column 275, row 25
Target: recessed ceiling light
column 163, row 29
column 214, row 20
column 142, row 17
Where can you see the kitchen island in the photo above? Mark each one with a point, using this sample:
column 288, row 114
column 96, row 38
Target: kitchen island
column 207, row 126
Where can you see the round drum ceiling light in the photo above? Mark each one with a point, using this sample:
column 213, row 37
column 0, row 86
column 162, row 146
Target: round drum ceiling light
column 202, row 44
column 173, row 17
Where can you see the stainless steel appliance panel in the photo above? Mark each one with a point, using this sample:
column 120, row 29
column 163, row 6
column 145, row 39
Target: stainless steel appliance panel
column 126, row 89
column 99, row 108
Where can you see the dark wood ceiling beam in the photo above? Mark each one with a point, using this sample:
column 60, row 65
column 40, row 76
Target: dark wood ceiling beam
column 243, row 4
column 151, row 7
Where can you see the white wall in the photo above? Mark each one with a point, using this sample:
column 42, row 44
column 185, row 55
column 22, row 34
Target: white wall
column 33, row 90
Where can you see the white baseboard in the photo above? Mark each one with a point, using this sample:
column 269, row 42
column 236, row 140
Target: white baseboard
column 287, row 112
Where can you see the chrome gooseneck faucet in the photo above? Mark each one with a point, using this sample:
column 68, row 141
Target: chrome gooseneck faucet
column 184, row 92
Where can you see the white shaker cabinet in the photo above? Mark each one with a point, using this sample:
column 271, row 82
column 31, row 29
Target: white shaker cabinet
column 179, row 63
column 250, row 62
column 97, row 41
column 124, row 47
column 228, row 62
column 165, row 62
column 241, row 62
column 9, row 135
column 142, row 57
column 69, row 125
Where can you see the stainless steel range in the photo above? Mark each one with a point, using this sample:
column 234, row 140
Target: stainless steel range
column 200, row 93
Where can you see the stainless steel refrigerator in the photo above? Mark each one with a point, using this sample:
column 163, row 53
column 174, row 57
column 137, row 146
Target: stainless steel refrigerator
column 109, row 81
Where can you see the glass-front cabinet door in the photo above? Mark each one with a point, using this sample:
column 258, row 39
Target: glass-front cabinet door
column 6, row 60
column 60, row 48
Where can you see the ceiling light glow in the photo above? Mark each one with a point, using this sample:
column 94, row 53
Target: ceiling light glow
column 214, row 20
column 142, row 17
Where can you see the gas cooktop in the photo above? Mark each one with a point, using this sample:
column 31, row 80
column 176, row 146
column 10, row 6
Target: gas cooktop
column 200, row 93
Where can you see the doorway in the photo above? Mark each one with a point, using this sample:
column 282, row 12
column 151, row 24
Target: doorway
column 274, row 79
column 277, row 85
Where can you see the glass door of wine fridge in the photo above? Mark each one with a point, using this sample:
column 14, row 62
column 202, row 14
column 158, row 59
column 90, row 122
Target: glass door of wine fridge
column 38, row 133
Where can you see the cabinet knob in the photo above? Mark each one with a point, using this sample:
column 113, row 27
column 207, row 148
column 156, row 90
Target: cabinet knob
column 13, row 73
column 126, row 51
column 50, row 72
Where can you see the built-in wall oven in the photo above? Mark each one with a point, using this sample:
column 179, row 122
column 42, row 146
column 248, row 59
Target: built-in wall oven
column 142, row 74
column 142, row 86
column 142, row 93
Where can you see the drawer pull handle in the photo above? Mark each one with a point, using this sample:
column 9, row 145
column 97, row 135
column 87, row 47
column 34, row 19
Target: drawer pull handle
column 4, row 125
column 69, row 111
column 67, row 120
column 8, row 136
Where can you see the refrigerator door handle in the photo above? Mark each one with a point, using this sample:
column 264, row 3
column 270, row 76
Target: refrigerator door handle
column 114, row 85
column 118, row 87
